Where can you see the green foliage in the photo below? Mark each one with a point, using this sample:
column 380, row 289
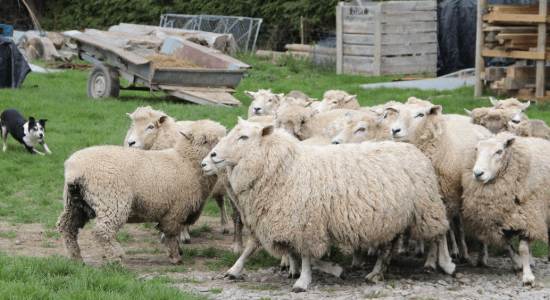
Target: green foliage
column 10, row 234
column 124, row 237
column 197, row 231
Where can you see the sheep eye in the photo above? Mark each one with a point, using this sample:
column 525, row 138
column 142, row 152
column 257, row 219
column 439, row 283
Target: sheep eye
column 499, row 152
column 335, row 102
column 419, row 115
column 361, row 129
column 151, row 127
column 243, row 137
column 302, row 122
column 270, row 100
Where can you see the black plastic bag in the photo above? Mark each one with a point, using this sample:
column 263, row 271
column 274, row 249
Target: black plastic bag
column 13, row 66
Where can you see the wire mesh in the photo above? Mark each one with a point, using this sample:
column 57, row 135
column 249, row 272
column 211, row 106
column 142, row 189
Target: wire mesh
column 323, row 53
column 244, row 30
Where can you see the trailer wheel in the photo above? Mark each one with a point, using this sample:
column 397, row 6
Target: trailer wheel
column 103, row 82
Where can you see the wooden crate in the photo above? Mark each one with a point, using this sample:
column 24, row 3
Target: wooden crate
column 387, row 38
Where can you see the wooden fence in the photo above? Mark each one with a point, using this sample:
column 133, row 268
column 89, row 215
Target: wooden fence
column 387, row 38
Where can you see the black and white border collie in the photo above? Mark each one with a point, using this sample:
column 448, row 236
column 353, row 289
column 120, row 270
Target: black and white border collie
column 28, row 133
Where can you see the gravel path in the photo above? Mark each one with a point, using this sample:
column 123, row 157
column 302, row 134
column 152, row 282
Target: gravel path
column 402, row 281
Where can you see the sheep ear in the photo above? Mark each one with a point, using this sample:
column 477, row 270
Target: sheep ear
column 469, row 112
column 435, row 110
column 250, row 94
column 131, row 116
column 240, row 120
column 349, row 98
column 509, row 142
column 493, row 101
column 268, row 130
column 278, row 97
column 479, row 136
column 308, row 104
column 526, row 105
column 312, row 99
column 188, row 136
column 392, row 109
column 163, row 119
column 381, row 118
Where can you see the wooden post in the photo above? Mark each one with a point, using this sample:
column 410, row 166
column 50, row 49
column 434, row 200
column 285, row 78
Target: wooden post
column 480, row 61
column 339, row 38
column 541, row 64
column 302, row 30
column 377, row 40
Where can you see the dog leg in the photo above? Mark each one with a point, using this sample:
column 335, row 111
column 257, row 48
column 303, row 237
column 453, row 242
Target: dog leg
column 33, row 151
column 45, row 147
column 4, row 136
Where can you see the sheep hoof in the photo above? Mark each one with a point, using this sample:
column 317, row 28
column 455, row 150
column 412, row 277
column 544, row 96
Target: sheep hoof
column 225, row 231
column 233, row 277
column 187, row 241
column 529, row 283
column 419, row 255
column 294, row 276
column 481, row 264
column 298, row 290
column 344, row 274
column 284, row 268
column 428, row 269
column 180, row 250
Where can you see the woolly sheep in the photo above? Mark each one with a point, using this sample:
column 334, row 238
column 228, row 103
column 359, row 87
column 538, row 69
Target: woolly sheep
column 265, row 102
column 117, row 185
column 445, row 143
column 364, row 128
column 154, row 130
column 496, row 120
column 530, row 128
column 303, row 123
column 306, row 198
column 336, row 99
column 506, row 192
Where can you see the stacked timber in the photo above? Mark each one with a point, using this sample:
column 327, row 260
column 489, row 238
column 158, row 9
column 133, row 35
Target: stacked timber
column 517, row 81
column 299, row 50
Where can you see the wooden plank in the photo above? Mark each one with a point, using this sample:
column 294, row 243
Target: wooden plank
column 358, row 64
column 368, row 50
column 404, row 28
column 407, row 6
column 513, row 54
column 522, row 71
column 511, row 29
column 517, row 18
column 409, row 69
column 377, row 41
column 515, row 9
column 339, row 38
column 358, row 50
column 518, row 37
column 358, row 26
column 494, row 73
column 358, row 18
column 428, row 59
column 397, row 18
column 358, row 39
column 401, row 39
column 541, row 48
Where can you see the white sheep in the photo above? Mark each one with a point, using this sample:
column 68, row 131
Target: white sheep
column 506, row 192
column 445, row 144
column 264, row 103
column 530, row 128
column 116, row 185
column 154, row 130
column 337, row 99
column 305, row 198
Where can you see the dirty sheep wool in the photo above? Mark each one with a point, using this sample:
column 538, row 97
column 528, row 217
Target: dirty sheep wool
column 115, row 185
column 306, row 198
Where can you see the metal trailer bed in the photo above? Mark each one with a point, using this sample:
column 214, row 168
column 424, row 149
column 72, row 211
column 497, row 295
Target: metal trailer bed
column 210, row 86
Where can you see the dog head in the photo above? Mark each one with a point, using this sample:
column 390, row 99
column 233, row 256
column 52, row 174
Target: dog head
column 37, row 129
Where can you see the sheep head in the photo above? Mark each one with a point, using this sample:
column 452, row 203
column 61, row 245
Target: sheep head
column 231, row 148
column 296, row 120
column 491, row 156
column 335, row 99
column 202, row 136
column 265, row 102
column 362, row 129
column 415, row 122
column 146, row 124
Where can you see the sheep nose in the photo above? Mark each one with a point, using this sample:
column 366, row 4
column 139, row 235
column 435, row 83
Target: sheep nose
column 394, row 131
column 213, row 154
column 335, row 141
column 203, row 165
column 131, row 143
column 478, row 173
column 257, row 109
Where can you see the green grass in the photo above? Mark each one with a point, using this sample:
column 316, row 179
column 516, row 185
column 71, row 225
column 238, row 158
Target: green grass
column 33, row 194
column 216, row 291
column 212, row 209
column 124, row 237
column 197, row 231
column 10, row 234
column 59, row 278
column 145, row 251
column 51, row 234
column 259, row 287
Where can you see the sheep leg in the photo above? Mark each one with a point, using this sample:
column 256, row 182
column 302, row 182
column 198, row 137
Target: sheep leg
column 483, row 255
column 251, row 246
column 220, row 199
column 382, row 262
column 185, row 237
column 357, row 258
column 516, row 262
column 549, row 245
column 445, row 261
column 452, row 240
column 68, row 224
column 238, row 225
column 285, row 263
column 173, row 248
column 528, row 278
column 419, row 248
column 404, row 243
column 372, row 252
column 531, row 258
column 104, row 230
column 458, row 228
column 303, row 282
column 430, row 264
column 293, row 270
column 328, row 267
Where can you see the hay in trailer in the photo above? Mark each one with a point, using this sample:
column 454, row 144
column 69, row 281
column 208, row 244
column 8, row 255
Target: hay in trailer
column 167, row 61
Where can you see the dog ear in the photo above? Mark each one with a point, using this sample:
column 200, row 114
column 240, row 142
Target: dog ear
column 43, row 122
column 31, row 120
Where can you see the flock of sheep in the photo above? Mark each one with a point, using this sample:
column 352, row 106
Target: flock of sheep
column 303, row 175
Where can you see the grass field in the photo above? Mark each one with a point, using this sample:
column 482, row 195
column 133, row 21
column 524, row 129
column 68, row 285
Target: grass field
column 31, row 185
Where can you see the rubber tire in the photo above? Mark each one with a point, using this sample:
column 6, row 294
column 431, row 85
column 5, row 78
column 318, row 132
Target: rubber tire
column 103, row 82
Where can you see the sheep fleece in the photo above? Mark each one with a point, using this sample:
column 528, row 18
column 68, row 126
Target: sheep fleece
column 307, row 198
